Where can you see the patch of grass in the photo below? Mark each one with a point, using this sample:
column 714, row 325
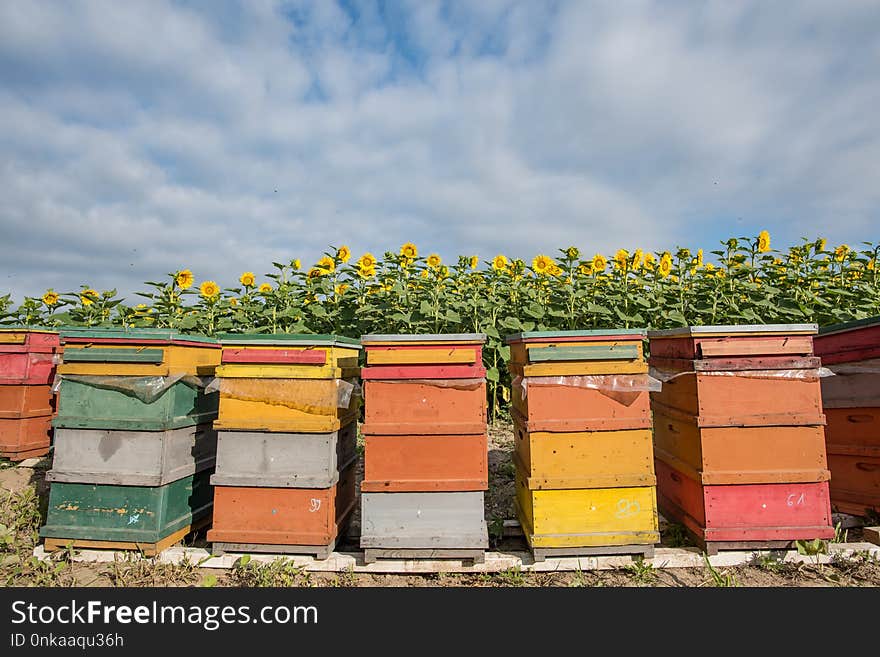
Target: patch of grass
column 496, row 531
column 511, row 577
column 840, row 534
column 279, row 572
column 722, row 578
column 345, row 579
column 772, row 561
column 641, row 571
column 134, row 569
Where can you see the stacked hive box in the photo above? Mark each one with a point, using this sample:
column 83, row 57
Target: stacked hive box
column 584, row 469
column 134, row 447
column 425, row 459
column 852, row 407
column 27, row 367
column 285, row 478
column 738, row 434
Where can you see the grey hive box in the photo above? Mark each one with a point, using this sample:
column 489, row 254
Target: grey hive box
column 131, row 458
column 283, row 460
column 424, row 521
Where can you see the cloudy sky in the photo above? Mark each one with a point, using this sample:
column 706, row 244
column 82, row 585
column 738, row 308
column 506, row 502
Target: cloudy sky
column 137, row 138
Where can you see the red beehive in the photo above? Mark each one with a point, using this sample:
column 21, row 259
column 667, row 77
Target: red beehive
column 28, row 359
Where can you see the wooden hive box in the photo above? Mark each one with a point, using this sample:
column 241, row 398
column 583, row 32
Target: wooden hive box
column 586, row 517
column 744, row 516
column 425, row 407
column 131, row 458
column 284, row 460
column 28, row 356
column 137, row 352
column 288, row 356
column 125, row 517
column 424, row 521
column 23, row 438
column 287, row 405
column 414, row 463
column 94, row 402
column 739, row 454
column 577, row 353
column 410, row 356
column 291, row 520
column 586, row 459
column 739, row 376
column 852, row 407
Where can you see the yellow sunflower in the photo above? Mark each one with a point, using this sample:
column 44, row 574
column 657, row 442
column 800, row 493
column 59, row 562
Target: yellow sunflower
column 366, row 261
column 315, row 272
column 50, row 298
column 621, row 258
column 650, row 261
column 340, row 289
column 710, row 267
column 871, row 265
column 184, row 279
column 554, row 270
column 210, row 289
column 541, row 264
column 326, row 263
column 636, row 260
column 265, row 288
column 840, row 252
column 499, row 262
column 344, row 253
column 665, row 265
column 296, row 264
column 366, row 273
column 585, row 269
column 434, row 261
column 88, row 297
column 475, row 262
column 599, row 263
column 409, row 251
column 763, row 241
column 699, row 257
column 572, row 252
column 233, row 302
column 424, row 273
column 820, row 244
column 247, row 279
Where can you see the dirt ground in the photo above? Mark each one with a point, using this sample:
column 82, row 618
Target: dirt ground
column 24, row 497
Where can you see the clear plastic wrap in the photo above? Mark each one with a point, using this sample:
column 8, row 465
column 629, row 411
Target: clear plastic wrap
column 307, row 395
column 624, row 388
column 144, row 388
column 811, row 374
column 457, row 384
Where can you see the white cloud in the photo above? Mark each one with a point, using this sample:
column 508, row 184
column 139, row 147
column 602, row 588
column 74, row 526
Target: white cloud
column 138, row 138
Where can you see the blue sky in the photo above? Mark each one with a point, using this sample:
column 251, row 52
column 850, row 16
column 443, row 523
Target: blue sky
column 137, row 138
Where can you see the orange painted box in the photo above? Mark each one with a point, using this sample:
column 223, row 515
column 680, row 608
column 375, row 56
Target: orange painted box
column 429, row 406
column 25, row 437
column 283, row 516
column 26, row 401
column 733, row 341
column 401, row 463
column 412, row 356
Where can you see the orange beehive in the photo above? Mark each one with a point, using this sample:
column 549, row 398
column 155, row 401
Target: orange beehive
column 738, row 426
column 852, row 407
column 28, row 359
column 264, row 519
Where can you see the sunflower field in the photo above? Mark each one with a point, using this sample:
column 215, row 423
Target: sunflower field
column 745, row 281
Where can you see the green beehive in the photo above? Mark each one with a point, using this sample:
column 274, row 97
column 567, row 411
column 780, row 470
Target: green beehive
column 133, row 403
column 131, row 514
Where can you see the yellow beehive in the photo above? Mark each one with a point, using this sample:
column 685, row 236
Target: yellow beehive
column 587, row 517
column 585, row 459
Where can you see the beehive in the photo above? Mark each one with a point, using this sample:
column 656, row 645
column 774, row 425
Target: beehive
column 28, row 358
column 425, row 459
column 585, row 480
column 285, row 477
column 739, row 427
column 134, row 446
column 851, row 399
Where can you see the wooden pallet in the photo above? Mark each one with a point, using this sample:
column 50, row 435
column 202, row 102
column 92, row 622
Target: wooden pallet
column 637, row 551
column 318, row 551
column 147, row 549
column 713, row 547
column 872, row 534
column 475, row 556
